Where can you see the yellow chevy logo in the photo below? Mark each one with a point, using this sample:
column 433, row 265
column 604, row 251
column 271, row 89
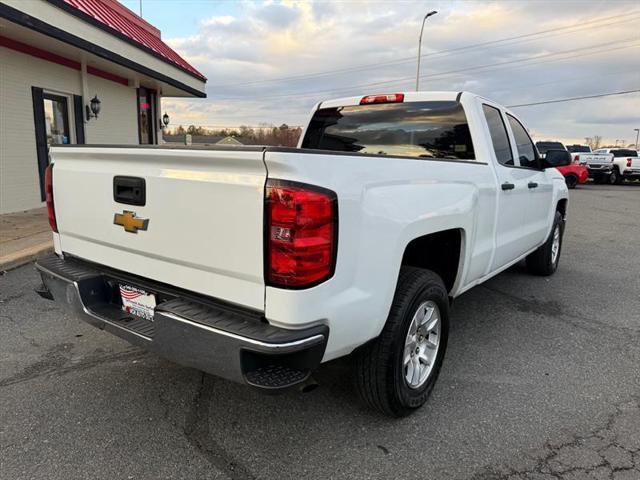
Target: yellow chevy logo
column 130, row 222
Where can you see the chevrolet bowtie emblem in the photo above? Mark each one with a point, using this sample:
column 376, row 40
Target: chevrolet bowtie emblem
column 130, row 222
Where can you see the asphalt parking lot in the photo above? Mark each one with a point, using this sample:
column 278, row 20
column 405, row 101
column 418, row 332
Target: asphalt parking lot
column 541, row 381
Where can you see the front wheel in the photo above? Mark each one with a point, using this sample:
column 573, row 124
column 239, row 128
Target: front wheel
column 544, row 261
column 396, row 372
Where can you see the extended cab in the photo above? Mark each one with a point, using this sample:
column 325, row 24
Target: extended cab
column 258, row 263
column 614, row 165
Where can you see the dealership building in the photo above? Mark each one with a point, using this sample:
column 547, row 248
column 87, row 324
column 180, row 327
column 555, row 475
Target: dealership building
column 79, row 72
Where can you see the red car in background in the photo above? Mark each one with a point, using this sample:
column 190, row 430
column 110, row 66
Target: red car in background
column 574, row 174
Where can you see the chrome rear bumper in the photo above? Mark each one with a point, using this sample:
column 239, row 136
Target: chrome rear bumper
column 202, row 333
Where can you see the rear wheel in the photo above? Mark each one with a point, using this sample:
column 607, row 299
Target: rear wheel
column 571, row 180
column 615, row 178
column 396, row 372
column 544, row 261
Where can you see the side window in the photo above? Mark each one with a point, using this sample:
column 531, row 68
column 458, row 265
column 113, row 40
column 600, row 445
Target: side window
column 499, row 136
column 526, row 150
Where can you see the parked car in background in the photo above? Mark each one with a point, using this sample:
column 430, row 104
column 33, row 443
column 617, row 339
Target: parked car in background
column 575, row 173
column 582, row 154
column 543, row 147
column 614, row 165
column 577, row 148
column 258, row 263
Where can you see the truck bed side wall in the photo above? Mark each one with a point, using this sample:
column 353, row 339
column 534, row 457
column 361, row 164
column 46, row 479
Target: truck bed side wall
column 383, row 203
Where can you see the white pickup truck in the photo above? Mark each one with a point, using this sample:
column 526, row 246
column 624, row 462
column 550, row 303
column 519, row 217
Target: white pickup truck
column 256, row 264
column 582, row 154
column 614, row 165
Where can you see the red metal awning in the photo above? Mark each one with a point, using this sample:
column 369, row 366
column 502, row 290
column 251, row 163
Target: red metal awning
column 118, row 18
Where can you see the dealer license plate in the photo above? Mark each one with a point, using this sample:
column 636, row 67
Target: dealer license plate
column 137, row 302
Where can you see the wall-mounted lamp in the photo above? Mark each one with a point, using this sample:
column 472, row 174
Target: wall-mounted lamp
column 93, row 110
column 165, row 121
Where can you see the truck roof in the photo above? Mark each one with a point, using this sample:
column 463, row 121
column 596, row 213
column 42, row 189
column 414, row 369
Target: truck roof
column 423, row 96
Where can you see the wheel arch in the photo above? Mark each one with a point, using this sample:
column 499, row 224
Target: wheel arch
column 561, row 207
column 441, row 252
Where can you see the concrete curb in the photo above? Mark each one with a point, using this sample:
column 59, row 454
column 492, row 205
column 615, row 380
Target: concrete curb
column 24, row 256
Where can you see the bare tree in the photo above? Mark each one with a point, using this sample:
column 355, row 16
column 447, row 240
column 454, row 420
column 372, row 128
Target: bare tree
column 284, row 135
column 594, row 142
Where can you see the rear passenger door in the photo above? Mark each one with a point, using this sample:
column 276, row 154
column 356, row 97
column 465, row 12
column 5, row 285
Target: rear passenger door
column 537, row 185
column 513, row 194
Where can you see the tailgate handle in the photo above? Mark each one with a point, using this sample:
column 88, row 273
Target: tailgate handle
column 129, row 190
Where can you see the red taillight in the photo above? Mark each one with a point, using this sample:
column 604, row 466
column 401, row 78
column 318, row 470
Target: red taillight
column 48, row 196
column 301, row 234
column 576, row 159
column 628, row 163
column 386, row 98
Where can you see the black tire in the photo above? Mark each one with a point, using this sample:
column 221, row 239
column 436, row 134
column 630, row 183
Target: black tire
column 615, row 178
column 379, row 366
column 571, row 180
column 541, row 261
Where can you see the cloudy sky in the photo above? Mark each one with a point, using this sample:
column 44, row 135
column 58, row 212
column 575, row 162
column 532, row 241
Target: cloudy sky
column 271, row 61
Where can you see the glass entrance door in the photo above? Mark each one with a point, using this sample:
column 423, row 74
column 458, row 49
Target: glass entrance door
column 147, row 119
column 52, row 121
column 56, row 119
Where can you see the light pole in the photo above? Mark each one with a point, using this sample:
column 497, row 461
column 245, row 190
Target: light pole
column 433, row 12
column 637, row 130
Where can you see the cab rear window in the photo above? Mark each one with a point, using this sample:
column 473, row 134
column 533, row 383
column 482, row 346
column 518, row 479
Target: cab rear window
column 578, row 148
column 624, row 153
column 416, row 129
column 543, row 147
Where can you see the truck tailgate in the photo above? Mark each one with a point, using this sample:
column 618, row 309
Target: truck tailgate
column 204, row 210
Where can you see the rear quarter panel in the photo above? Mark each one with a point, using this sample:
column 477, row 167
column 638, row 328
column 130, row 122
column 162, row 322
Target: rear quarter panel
column 383, row 204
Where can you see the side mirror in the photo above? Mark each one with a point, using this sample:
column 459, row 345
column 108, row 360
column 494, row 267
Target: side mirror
column 557, row 158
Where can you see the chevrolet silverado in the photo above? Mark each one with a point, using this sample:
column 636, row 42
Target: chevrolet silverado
column 614, row 165
column 257, row 263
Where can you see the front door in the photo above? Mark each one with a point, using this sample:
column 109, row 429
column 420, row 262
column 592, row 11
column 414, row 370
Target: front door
column 538, row 185
column 56, row 119
column 55, row 115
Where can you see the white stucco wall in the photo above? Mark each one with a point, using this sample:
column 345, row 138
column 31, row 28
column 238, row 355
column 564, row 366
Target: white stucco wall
column 118, row 118
column 19, row 177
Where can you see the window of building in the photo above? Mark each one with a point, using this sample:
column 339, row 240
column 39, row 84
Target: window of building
column 435, row 129
column 526, row 150
column 499, row 136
